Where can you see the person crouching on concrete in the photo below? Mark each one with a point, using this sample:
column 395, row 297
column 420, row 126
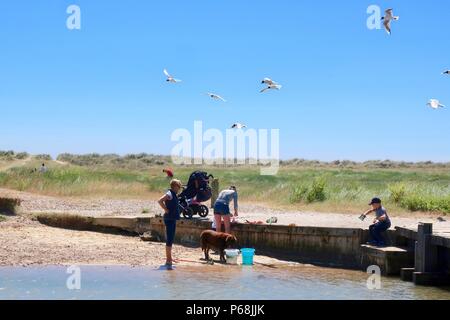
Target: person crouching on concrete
column 222, row 208
column 169, row 203
column 381, row 223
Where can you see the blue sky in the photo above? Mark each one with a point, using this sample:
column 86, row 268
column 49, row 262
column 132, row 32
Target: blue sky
column 348, row 92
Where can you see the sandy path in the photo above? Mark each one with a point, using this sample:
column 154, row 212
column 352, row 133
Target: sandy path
column 14, row 164
column 32, row 203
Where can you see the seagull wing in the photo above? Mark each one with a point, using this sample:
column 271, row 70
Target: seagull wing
column 387, row 25
column 215, row 96
column 389, row 12
column 265, row 89
column 167, row 74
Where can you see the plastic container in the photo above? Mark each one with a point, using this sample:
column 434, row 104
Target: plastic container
column 247, row 256
column 231, row 256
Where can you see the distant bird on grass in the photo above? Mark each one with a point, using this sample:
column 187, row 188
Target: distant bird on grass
column 435, row 104
column 389, row 16
column 238, row 125
column 215, row 96
column 271, row 87
column 170, row 78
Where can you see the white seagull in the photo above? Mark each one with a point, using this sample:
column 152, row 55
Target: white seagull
column 238, row 125
column 435, row 104
column 271, row 87
column 447, row 72
column 268, row 81
column 170, row 78
column 216, row 96
column 389, row 16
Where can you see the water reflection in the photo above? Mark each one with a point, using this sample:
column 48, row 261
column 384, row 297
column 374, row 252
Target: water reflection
column 206, row 282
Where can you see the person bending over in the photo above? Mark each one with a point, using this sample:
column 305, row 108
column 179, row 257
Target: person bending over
column 222, row 208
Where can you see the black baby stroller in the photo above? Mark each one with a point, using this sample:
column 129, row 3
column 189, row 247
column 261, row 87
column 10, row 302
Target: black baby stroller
column 196, row 191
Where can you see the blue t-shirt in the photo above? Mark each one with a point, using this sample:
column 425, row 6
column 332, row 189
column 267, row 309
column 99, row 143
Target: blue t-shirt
column 381, row 212
column 173, row 207
column 226, row 196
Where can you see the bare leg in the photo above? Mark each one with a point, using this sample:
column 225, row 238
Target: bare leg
column 226, row 220
column 218, row 220
column 168, row 255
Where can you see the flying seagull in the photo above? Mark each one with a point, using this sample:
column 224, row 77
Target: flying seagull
column 447, row 72
column 216, row 96
column 238, row 125
column 170, row 78
column 271, row 87
column 435, row 104
column 389, row 16
column 268, row 81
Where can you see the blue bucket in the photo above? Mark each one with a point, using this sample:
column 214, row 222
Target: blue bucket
column 247, row 256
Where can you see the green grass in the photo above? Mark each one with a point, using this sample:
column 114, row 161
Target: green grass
column 297, row 187
column 2, row 218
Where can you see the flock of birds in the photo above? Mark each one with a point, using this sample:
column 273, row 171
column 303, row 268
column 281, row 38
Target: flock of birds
column 387, row 19
column 272, row 85
column 269, row 85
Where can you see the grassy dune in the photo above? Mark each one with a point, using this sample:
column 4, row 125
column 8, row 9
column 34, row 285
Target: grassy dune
column 312, row 187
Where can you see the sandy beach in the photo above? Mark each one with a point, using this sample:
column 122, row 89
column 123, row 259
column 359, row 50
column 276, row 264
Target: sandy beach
column 24, row 241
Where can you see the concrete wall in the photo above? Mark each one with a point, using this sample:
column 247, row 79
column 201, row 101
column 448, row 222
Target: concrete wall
column 340, row 247
column 327, row 246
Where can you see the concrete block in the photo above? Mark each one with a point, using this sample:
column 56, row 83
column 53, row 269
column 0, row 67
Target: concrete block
column 390, row 259
column 406, row 274
column 431, row 279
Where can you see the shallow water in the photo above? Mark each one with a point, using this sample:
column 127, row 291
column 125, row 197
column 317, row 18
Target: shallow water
column 206, row 282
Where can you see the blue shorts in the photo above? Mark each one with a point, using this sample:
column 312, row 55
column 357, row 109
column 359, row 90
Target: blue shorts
column 221, row 208
column 171, row 226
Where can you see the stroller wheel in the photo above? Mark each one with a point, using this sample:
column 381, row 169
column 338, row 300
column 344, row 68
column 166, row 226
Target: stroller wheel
column 188, row 213
column 203, row 211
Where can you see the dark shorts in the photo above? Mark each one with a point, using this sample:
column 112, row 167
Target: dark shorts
column 171, row 226
column 221, row 208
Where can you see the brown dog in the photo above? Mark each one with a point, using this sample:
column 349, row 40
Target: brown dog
column 216, row 240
